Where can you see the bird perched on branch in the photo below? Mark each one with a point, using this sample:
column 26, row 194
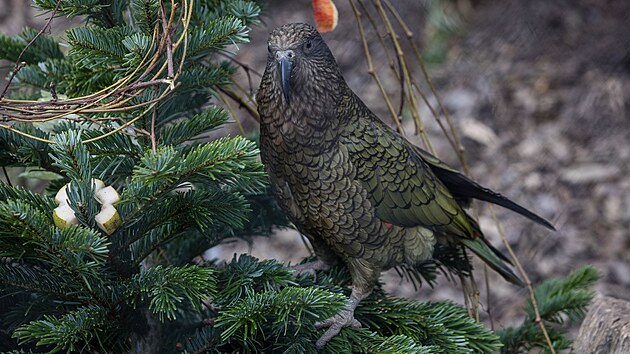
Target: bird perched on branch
column 361, row 193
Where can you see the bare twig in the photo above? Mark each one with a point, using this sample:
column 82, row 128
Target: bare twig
column 247, row 94
column 242, row 103
column 415, row 112
column 466, row 291
column 390, row 60
column 488, row 296
column 232, row 113
column 152, row 134
column 20, row 64
column 371, row 71
column 245, row 66
column 455, row 141
column 117, row 97
column 402, row 89
column 53, row 91
column 41, row 111
column 16, row 69
column 167, row 34
column 6, row 176
column 530, row 288
column 475, row 296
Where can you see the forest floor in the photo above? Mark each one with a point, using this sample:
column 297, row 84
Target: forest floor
column 540, row 92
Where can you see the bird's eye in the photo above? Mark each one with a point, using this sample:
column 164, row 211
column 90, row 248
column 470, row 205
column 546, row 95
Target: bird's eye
column 308, row 45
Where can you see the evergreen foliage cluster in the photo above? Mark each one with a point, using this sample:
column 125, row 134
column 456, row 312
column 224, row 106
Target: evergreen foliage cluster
column 144, row 288
column 559, row 301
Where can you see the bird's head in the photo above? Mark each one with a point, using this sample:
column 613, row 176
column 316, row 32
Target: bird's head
column 300, row 59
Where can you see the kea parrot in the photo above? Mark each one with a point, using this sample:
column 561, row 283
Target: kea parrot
column 361, row 193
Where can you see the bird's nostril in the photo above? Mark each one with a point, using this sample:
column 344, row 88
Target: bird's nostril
column 285, row 54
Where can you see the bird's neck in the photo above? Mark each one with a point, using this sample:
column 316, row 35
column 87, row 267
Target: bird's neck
column 310, row 115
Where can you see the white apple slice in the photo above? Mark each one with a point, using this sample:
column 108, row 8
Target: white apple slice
column 63, row 216
column 108, row 219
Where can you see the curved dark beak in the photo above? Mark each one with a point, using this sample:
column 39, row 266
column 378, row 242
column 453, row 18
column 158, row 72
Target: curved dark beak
column 285, row 65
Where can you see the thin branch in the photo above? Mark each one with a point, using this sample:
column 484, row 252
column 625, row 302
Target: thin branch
column 530, row 288
column 10, row 128
column 456, row 143
column 371, row 71
column 245, row 66
column 375, row 28
column 35, row 110
column 6, row 176
column 232, row 113
column 248, row 95
column 402, row 89
column 466, row 291
column 167, row 34
column 488, row 296
column 16, row 69
column 152, row 134
column 415, row 112
column 391, row 62
column 242, row 103
column 153, row 102
column 20, row 64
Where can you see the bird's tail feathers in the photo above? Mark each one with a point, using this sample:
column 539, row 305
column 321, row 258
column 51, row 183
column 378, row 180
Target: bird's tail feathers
column 493, row 258
column 464, row 188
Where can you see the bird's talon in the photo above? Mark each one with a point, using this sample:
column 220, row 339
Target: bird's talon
column 335, row 324
column 321, row 324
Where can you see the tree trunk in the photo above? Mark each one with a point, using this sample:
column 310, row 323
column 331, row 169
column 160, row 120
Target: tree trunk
column 606, row 328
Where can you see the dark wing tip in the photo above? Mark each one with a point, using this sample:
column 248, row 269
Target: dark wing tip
column 506, row 203
column 544, row 223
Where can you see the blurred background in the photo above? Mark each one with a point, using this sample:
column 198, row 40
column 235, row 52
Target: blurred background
column 539, row 92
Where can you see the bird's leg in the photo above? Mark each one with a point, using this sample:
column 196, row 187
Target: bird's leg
column 311, row 267
column 325, row 258
column 343, row 318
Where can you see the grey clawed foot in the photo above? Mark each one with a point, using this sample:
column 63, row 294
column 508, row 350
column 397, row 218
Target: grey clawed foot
column 344, row 318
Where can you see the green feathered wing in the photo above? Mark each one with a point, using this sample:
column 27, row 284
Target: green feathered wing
column 405, row 191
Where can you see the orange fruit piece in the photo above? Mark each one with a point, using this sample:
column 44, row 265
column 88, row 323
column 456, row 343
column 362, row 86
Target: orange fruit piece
column 325, row 14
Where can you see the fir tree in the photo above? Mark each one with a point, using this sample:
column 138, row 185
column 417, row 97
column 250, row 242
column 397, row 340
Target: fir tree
column 129, row 103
